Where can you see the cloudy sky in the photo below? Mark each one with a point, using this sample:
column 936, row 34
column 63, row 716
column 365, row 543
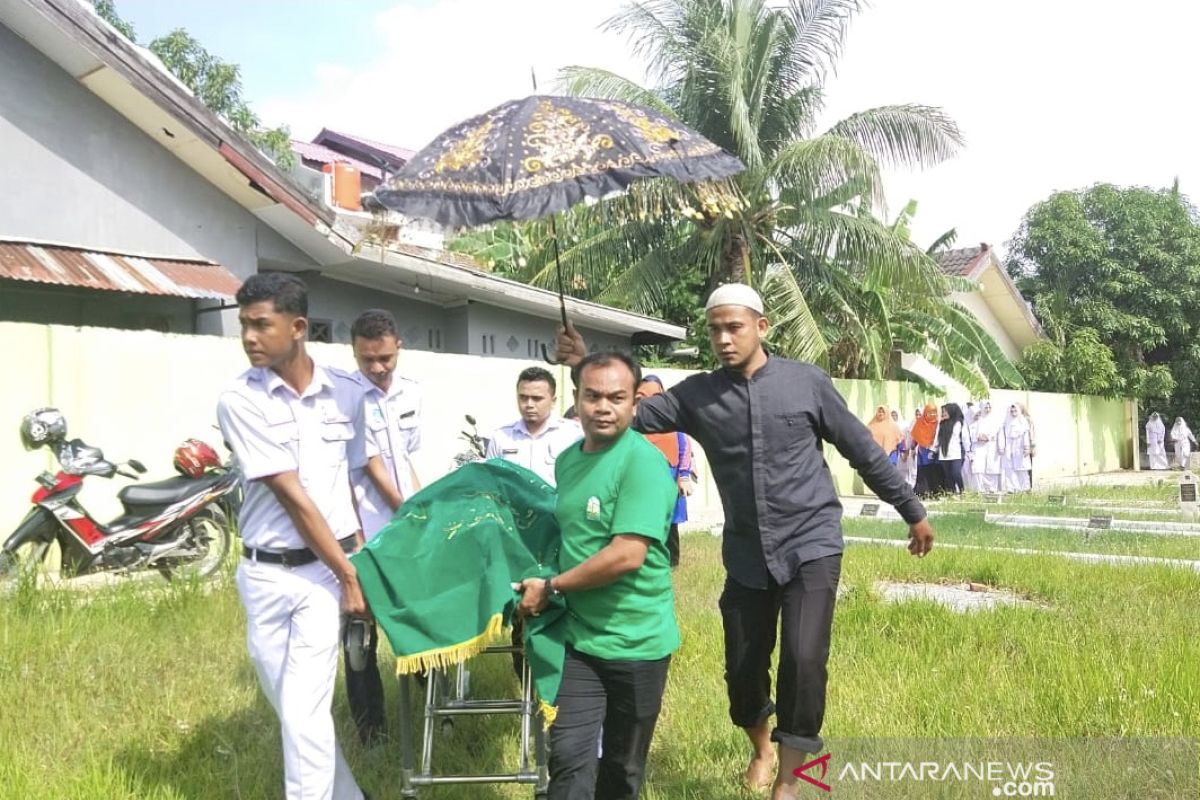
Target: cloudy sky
column 1051, row 94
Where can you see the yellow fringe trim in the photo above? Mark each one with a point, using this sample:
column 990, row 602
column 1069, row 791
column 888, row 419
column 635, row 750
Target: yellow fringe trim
column 443, row 657
column 549, row 714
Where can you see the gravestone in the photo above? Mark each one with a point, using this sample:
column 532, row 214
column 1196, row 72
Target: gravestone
column 1189, row 504
column 1056, row 500
column 869, row 510
column 992, row 497
column 1101, row 522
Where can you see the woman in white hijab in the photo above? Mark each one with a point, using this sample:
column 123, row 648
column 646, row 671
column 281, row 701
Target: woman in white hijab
column 1156, row 442
column 986, row 464
column 1181, row 435
column 1016, row 451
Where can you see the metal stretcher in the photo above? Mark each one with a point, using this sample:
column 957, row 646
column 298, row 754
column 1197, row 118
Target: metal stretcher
column 447, row 695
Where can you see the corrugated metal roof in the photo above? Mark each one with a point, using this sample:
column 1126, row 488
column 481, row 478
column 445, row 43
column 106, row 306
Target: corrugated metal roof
column 390, row 152
column 322, row 154
column 90, row 269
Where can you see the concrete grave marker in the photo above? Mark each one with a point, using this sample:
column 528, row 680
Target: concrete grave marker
column 869, row 510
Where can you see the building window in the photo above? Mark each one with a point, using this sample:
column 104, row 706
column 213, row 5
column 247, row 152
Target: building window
column 320, row 330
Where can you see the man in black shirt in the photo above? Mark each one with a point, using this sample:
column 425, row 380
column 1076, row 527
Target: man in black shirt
column 762, row 421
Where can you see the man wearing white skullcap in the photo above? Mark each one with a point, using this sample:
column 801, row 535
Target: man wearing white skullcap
column 762, row 421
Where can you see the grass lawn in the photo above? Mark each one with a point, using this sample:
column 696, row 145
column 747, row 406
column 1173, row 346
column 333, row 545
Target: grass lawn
column 972, row 530
column 130, row 694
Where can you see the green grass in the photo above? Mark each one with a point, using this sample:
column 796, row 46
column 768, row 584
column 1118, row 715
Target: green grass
column 136, row 694
column 970, row 529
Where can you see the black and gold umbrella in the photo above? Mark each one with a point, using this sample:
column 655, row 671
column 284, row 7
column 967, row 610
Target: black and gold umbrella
column 529, row 159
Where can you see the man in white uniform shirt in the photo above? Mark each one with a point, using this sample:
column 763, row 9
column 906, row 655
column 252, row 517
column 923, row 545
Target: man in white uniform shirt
column 297, row 430
column 535, row 440
column 392, row 405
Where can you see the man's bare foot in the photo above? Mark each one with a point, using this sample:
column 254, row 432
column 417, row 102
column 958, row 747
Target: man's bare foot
column 761, row 771
column 784, row 787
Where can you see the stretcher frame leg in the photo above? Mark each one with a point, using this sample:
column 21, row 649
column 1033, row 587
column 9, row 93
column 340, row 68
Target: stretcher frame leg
column 447, row 698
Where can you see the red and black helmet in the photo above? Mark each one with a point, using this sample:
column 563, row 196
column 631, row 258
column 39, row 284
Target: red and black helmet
column 193, row 458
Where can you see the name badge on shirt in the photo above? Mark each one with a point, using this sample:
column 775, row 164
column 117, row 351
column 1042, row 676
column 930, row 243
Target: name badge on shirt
column 408, row 414
column 510, row 451
column 593, row 508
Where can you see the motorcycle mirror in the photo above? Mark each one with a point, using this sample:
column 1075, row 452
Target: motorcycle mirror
column 137, row 466
column 470, row 420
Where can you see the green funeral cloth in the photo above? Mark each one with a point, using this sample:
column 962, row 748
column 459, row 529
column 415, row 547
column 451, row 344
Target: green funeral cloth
column 439, row 577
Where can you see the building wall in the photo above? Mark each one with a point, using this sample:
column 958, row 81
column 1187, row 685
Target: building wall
column 79, row 173
column 419, row 323
column 164, row 388
column 500, row 332
column 61, row 305
column 974, row 302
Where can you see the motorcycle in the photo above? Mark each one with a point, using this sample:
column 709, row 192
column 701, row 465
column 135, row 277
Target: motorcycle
column 180, row 526
column 477, row 445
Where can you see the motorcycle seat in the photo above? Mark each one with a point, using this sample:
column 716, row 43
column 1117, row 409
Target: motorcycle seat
column 164, row 493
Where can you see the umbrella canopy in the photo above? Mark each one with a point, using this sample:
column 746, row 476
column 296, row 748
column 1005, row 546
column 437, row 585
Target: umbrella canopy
column 531, row 158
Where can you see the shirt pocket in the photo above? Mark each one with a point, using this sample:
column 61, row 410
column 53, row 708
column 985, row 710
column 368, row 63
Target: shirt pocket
column 377, row 425
column 792, row 433
column 337, row 431
column 407, row 421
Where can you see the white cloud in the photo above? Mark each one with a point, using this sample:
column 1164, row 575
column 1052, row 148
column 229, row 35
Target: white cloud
column 1052, row 94
column 447, row 61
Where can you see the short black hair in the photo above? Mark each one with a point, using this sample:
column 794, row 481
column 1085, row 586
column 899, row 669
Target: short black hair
column 374, row 323
column 286, row 292
column 530, row 374
column 603, row 359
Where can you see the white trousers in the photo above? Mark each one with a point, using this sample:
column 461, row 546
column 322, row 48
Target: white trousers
column 293, row 624
column 1183, row 451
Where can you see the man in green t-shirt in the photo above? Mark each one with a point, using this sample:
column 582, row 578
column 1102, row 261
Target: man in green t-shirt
column 615, row 500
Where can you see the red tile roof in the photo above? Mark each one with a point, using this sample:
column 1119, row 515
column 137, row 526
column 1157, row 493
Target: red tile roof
column 962, row 262
column 91, row 269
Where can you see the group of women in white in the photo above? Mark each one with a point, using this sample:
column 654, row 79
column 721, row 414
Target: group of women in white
column 950, row 449
column 1181, row 439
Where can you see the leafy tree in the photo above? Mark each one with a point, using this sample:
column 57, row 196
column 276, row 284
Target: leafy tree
column 214, row 82
column 1114, row 277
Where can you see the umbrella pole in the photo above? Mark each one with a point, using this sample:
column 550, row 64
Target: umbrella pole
column 562, row 301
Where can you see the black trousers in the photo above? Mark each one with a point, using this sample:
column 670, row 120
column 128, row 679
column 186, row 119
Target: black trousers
column 621, row 697
column 673, row 544
column 803, row 610
column 364, row 691
column 952, row 479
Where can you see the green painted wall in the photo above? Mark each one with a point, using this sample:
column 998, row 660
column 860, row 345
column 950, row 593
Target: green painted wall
column 137, row 394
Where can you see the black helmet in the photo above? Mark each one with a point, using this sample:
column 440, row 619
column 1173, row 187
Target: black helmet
column 44, row 426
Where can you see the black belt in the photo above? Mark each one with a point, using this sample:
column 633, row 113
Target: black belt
column 296, row 557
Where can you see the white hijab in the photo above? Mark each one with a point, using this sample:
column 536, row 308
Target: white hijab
column 1015, row 426
column 1180, row 430
column 1155, row 427
column 987, row 422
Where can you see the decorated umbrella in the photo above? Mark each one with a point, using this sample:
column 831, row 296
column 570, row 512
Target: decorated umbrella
column 531, row 158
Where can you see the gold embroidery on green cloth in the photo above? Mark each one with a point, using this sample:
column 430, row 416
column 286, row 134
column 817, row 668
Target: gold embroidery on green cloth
column 558, row 137
column 544, row 177
column 465, row 152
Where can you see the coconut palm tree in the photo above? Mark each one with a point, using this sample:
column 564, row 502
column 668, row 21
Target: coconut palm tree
column 802, row 224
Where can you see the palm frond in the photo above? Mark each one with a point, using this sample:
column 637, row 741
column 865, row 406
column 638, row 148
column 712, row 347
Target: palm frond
column 903, row 135
column 592, row 82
